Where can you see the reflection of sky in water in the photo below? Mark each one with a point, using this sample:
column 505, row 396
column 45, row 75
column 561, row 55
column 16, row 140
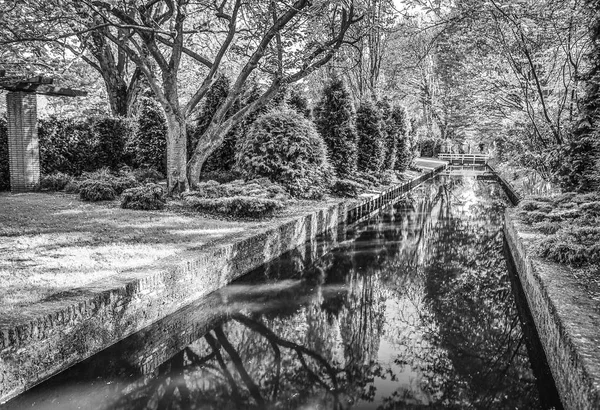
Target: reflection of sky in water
column 412, row 309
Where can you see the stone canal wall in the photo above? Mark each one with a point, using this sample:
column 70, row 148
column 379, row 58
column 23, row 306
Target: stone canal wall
column 75, row 325
column 567, row 319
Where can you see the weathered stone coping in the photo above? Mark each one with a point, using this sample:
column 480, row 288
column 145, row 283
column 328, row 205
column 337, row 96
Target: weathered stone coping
column 56, row 334
column 566, row 318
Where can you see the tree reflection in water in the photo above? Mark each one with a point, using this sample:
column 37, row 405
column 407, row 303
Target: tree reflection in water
column 412, row 310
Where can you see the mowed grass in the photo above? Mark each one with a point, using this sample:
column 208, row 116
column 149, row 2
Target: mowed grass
column 51, row 243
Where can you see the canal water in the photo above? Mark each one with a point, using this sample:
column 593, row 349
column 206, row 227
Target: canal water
column 411, row 309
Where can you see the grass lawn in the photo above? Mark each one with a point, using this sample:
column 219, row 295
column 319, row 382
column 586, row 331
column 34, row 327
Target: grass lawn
column 52, row 242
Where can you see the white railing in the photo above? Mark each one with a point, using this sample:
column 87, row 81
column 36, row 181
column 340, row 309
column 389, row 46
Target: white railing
column 465, row 158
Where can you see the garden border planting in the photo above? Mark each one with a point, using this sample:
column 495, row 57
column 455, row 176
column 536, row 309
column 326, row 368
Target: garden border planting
column 77, row 324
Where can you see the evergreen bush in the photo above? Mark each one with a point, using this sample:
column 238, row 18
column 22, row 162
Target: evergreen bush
column 148, row 197
column 286, row 148
column 370, row 138
column 148, row 146
column 336, row 122
column 4, row 157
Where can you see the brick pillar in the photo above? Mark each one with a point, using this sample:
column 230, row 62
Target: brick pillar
column 23, row 147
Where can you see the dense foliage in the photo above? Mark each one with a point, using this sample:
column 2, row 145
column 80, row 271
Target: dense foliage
column 286, row 148
column 370, row 138
column 148, row 146
column 4, row 164
column 335, row 120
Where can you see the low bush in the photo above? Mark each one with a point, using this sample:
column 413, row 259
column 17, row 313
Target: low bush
column 148, row 197
column 56, row 181
column 96, row 190
column 237, row 206
column 118, row 183
column 347, row 188
column 259, row 188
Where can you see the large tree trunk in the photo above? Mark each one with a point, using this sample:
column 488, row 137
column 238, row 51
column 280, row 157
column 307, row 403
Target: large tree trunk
column 212, row 138
column 116, row 89
column 176, row 154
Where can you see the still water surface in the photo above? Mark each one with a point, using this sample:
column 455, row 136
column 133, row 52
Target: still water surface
column 412, row 309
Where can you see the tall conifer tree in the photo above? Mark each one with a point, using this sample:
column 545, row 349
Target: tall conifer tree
column 370, row 138
column 335, row 120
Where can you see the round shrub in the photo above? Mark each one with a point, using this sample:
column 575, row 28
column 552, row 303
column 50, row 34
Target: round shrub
column 286, row 148
column 370, row 138
column 147, row 197
column 96, row 190
column 335, row 120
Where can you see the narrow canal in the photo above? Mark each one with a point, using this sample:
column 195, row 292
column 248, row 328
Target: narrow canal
column 411, row 309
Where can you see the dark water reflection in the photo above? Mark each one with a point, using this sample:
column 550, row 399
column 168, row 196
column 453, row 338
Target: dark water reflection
column 410, row 310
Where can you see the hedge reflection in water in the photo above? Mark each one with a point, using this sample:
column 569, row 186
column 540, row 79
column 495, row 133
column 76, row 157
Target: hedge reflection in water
column 411, row 310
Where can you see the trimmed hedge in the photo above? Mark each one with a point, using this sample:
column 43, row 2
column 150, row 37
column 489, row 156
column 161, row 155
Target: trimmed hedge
column 74, row 146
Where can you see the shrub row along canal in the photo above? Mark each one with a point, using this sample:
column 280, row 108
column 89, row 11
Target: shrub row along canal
column 410, row 309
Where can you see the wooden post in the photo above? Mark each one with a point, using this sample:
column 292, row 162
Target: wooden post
column 23, row 146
